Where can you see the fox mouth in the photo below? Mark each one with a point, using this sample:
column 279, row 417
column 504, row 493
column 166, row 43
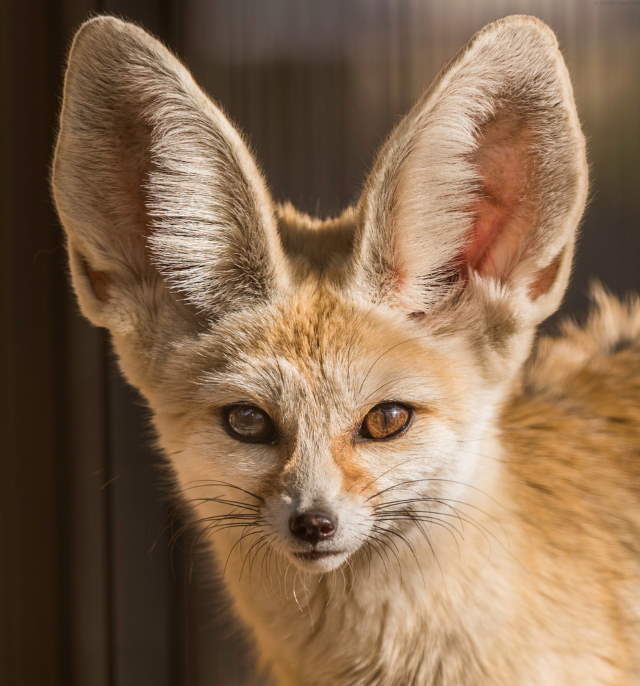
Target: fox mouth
column 317, row 554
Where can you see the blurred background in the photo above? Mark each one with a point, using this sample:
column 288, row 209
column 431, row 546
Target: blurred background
column 98, row 584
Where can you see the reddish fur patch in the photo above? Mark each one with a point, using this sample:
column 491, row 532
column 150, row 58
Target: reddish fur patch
column 99, row 281
column 492, row 218
column 354, row 476
column 545, row 277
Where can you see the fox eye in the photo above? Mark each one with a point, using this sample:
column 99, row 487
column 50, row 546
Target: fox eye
column 248, row 423
column 386, row 420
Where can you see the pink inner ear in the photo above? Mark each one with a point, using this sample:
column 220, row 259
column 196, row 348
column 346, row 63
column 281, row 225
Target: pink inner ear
column 546, row 277
column 505, row 217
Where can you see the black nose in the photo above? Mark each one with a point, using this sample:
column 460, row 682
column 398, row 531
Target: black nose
column 312, row 526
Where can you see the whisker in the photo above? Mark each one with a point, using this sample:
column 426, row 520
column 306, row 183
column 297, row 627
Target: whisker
column 399, row 535
column 257, row 549
column 203, row 483
column 423, row 519
column 246, row 556
column 241, row 538
column 462, row 518
column 390, row 543
column 382, row 355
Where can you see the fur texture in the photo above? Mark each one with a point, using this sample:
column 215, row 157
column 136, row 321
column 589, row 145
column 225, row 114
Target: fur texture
column 496, row 539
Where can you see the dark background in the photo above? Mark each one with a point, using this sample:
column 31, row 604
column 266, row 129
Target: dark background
column 94, row 591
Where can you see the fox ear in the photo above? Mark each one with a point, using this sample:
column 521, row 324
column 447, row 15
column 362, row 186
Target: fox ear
column 159, row 196
column 482, row 185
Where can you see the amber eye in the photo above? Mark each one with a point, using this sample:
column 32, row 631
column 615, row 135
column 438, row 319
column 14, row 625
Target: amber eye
column 248, row 423
column 385, row 421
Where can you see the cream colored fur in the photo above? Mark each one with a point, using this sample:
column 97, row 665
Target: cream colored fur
column 497, row 540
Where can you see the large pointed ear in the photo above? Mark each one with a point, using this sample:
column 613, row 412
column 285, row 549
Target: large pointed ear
column 160, row 198
column 479, row 191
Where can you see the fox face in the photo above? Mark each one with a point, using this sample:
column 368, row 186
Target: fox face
column 322, row 388
column 325, row 418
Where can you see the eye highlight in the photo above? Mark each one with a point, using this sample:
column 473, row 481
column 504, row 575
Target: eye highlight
column 385, row 420
column 248, row 423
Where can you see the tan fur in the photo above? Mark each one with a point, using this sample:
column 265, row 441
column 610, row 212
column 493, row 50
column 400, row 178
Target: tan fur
column 497, row 539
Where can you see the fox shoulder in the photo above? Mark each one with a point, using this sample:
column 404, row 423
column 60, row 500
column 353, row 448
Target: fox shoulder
column 572, row 431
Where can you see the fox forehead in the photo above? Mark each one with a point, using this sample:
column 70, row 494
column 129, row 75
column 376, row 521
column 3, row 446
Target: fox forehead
column 317, row 348
column 317, row 362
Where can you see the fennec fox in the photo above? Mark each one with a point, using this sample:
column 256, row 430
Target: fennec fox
column 397, row 489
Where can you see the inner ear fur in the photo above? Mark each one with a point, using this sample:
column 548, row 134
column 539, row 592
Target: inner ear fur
column 505, row 207
column 485, row 178
column 155, row 188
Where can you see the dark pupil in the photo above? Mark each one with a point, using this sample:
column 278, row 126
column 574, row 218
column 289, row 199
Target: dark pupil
column 389, row 417
column 247, row 421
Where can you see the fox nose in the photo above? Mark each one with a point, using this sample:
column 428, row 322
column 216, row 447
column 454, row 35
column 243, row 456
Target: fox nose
column 312, row 526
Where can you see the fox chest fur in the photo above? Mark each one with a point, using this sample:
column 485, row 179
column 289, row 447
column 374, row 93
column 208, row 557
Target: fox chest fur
column 396, row 490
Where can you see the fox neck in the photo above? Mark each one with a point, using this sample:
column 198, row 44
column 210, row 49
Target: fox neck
column 395, row 612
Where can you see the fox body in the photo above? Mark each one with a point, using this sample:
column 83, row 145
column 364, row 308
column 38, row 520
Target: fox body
column 400, row 485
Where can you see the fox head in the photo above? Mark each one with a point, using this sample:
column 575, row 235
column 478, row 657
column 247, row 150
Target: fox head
column 315, row 384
